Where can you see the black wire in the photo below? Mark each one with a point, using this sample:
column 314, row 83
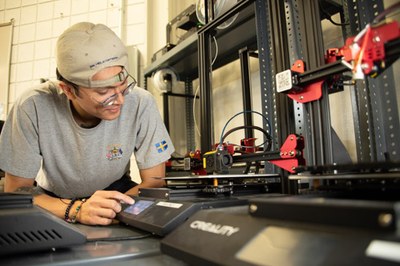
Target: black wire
column 243, row 112
column 269, row 139
column 336, row 23
column 329, row 17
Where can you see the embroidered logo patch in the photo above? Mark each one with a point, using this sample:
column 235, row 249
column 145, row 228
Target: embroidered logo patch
column 114, row 152
column 161, row 146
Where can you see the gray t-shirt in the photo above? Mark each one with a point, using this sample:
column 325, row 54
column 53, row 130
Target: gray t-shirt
column 40, row 130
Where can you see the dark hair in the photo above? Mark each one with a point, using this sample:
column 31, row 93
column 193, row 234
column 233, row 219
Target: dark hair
column 73, row 85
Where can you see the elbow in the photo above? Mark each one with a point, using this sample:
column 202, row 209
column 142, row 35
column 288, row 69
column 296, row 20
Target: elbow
column 13, row 183
column 159, row 182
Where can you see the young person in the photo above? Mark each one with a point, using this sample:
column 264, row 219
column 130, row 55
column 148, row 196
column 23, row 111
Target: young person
column 82, row 131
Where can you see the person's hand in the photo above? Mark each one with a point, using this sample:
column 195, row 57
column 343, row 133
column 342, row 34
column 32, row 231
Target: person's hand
column 102, row 207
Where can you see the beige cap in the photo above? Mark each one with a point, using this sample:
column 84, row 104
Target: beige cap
column 86, row 48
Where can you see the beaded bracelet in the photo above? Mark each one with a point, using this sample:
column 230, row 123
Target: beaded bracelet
column 66, row 215
column 78, row 208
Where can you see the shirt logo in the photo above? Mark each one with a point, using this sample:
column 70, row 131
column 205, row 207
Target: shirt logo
column 114, row 152
column 161, row 146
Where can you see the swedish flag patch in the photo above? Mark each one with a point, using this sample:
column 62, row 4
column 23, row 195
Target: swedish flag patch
column 161, row 146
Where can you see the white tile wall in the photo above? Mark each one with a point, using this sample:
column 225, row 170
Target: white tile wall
column 12, row 14
column 14, row 53
column 41, row 69
column 28, row 2
column 24, row 71
column 26, row 52
column 79, row 6
column 78, row 18
column 45, row 11
column 43, row 49
column 59, row 25
column 98, row 17
column 13, row 4
column 28, row 14
column 134, row 14
column 62, row 9
column 113, row 17
column 135, row 35
column 38, row 23
column 134, row 2
column 26, row 33
column 96, row 5
column 43, row 30
column 13, row 73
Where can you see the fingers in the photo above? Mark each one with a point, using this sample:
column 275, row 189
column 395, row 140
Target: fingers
column 114, row 195
column 125, row 198
column 102, row 207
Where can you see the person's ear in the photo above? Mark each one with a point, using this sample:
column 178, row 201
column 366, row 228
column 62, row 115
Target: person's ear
column 68, row 90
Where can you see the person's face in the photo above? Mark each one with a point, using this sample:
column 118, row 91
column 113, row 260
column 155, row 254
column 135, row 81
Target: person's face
column 104, row 103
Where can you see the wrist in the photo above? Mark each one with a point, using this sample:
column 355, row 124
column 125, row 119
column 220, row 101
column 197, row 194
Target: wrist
column 68, row 210
column 73, row 209
column 78, row 210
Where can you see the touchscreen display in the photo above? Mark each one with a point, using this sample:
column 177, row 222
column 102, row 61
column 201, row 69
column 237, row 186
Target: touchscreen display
column 138, row 206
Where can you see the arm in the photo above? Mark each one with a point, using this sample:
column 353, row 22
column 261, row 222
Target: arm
column 100, row 208
column 151, row 178
column 12, row 182
column 15, row 183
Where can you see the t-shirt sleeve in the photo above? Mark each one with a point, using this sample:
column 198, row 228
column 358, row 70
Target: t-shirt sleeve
column 19, row 145
column 153, row 145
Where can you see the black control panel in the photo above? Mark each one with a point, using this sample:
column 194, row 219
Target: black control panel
column 161, row 216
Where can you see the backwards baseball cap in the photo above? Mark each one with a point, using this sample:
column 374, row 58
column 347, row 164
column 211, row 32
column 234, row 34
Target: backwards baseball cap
column 86, row 48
